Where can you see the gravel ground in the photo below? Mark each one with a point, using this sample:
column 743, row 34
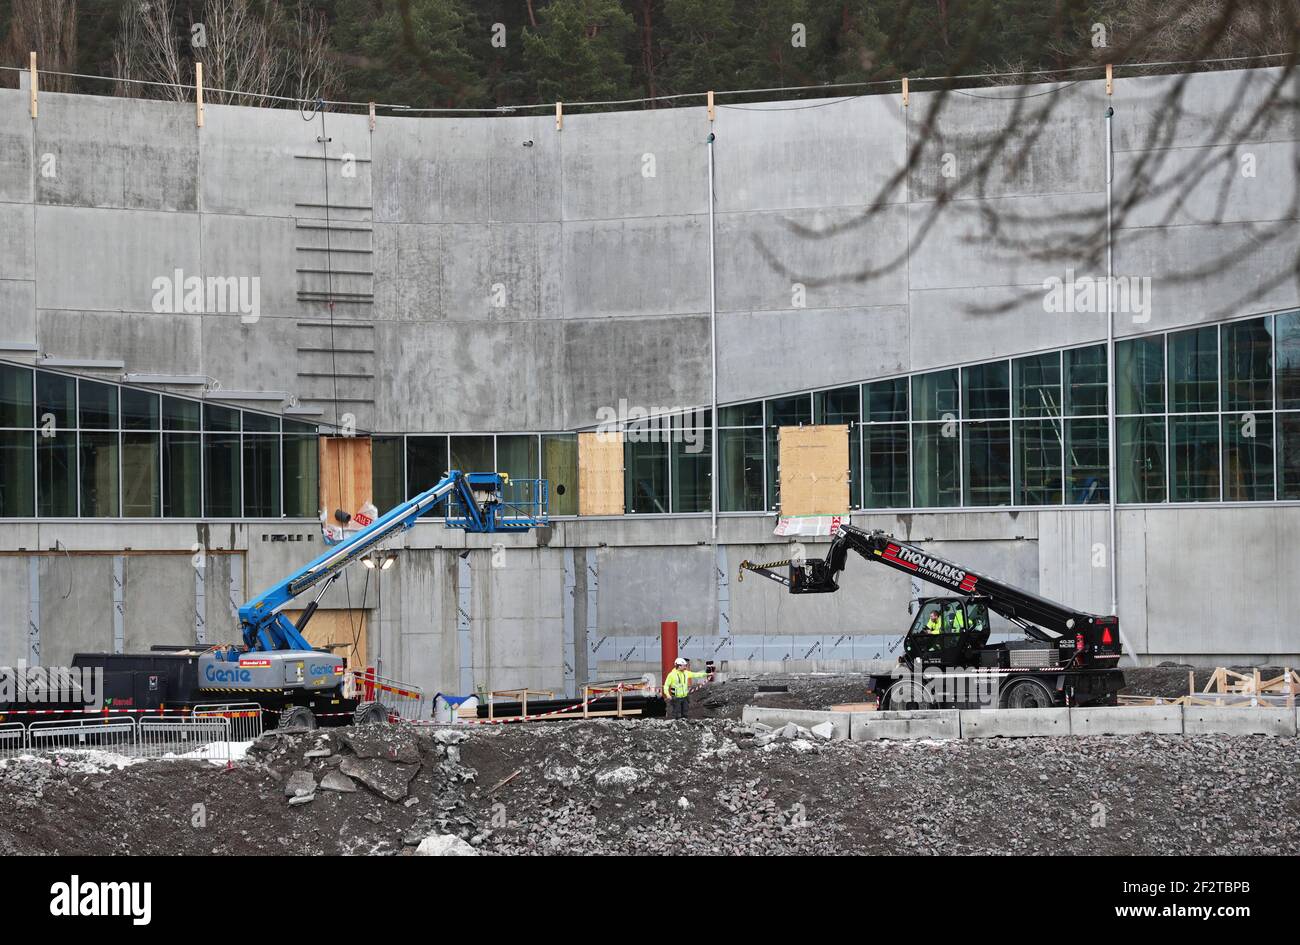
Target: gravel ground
column 654, row 787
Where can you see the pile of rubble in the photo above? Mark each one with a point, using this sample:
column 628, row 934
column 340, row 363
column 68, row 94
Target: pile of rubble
column 656, row 786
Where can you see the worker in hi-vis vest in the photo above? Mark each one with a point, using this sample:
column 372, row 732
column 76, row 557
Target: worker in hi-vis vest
column 677, row 687
column 935, row 623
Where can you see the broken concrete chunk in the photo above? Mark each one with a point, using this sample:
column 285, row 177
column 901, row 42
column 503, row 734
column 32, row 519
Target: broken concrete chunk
column 299, row 783
column 387, row 779
column 825, row 730
column 618, row 776
column 336, row 781
column 444, row 844
column 302, row 799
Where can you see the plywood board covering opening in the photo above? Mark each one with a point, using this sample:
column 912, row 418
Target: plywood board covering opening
column 600, row 474
column 814, row 475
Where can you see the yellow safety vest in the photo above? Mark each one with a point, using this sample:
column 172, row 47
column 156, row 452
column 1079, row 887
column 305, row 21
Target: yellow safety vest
column 677, row 683
column 935, row 627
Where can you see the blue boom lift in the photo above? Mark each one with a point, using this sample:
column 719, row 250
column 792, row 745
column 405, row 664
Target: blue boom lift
column 276, row 667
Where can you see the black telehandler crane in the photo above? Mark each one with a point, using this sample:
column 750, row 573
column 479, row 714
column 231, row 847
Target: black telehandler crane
column 1070, row 657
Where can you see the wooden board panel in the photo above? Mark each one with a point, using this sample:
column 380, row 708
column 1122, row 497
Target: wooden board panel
column 328, row 627
column 814, row 471
column 600, row 474
column 345, row 474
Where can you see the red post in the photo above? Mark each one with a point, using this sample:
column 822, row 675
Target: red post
column 667, row 646
column 370, row 684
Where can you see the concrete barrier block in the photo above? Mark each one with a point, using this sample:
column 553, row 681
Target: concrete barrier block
column 1245, row 720
column 1014, row 723
column 1127, row 720
column 776, row 718
column 919, row 723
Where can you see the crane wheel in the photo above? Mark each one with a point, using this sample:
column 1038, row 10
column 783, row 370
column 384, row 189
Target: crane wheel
column 297, row 718
column 370, row 713
column 907, row 694
column 1027, row 694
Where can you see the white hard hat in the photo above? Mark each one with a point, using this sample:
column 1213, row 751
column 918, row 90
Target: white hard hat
column 679, row 662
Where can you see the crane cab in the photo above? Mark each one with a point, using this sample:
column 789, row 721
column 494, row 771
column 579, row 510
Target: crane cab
column 946, row 629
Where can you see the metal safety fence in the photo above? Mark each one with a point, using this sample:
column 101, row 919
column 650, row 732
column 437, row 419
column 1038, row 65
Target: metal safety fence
column 205, row 733
column 401, row 700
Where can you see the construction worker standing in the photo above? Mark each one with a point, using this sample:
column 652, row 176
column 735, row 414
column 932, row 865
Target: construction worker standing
column 677, row 687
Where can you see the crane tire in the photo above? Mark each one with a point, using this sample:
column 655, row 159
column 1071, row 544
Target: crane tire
column 1027, row 694
column 370, row 713
column 297, row 718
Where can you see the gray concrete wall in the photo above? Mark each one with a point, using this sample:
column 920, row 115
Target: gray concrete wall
column 501, row 287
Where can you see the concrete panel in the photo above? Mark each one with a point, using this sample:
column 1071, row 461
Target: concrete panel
column 1014, row 723
column 221, row 613
column 638, row 266
column 764, row 152
column 1010, row 140
column 636, row 164
column 1258, row 720
column 257, row 355
column 633, row 582
column 466, row 170
column 840, row 257
column 96, row 151
column 17, row 241
column 1071, row 543
column 650, row 362
column 904, row 726
column 263, row 248
column 145, row 342
column 408, row 271
column 14, row 577
column 15, row 147
column 764, row 353
column 76, row 606
column 109, row 259
column 1128, row 720
column 158, row 594
column 269, row 162
column 424, row 601
column 18, row 311
column 805, row 717
column 500, row 272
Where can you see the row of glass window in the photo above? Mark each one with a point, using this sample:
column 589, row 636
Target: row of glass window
column 1203, row 414
column 74, row 447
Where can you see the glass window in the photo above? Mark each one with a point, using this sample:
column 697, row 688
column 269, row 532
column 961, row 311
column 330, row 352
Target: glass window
column 934, row 395
column 936, row 473
column 426, row 464
column 15, row 397
column 885, row 480
column 140, row 410
column 141, row 475
column 98, row 406
column 180, row 414
column 1288, row 456
column 1288, row 360
column 740, row 468
column 1193, row 371
column 560, row 470
column 987, row 455
column 986, row 391
column 782, row 412
column 885, row 401
column 645, row 466
column 1140, row 367
column 220, row 419
column 221, row 473
column 1141, row 459
column 17, row 476
column 1248, row 457
column 1247, row 365
column 692, row 461
column 182, row 475
column 471, row 454
column 1194, row 459
column 1087, row 463
column 842, row 406
column 261, row 475
column 1085, row 381
column 98, row 473
column 1038, row 462
column 741, row 415
column 387, row 469
column 56, row 475
column 1038, row 385
column 517, row 455
column 56, row 401
column 301, row 458
column 260, row 422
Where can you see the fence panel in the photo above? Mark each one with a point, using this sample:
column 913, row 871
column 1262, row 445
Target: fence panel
column 164, row 736
column 13, row 739
column 245, row 718
column 107, row 733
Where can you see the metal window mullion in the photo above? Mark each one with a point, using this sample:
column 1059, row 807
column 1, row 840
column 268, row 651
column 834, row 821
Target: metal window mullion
column 1273, row 399
column 1222, row 391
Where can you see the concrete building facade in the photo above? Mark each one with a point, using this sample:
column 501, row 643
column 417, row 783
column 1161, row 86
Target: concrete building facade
column 466, row 278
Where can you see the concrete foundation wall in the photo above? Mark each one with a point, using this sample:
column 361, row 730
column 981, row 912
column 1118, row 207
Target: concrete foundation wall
column 504, row 287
